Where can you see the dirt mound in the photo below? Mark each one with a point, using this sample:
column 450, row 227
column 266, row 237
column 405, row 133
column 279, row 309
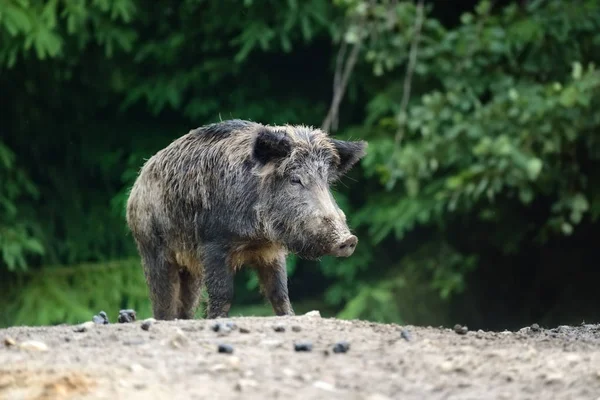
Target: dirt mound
column 303, row 357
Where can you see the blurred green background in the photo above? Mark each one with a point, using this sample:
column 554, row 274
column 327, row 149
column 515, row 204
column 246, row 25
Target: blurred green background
column 478, row 201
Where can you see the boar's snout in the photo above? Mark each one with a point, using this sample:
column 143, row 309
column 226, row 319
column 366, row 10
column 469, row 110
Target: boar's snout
column 345, row 247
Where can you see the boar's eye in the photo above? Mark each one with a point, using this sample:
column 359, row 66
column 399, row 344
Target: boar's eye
column 295, row 180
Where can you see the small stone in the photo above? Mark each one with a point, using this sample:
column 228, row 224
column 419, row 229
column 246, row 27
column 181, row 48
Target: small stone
column 447, row 366
column 554, row 378
column 218, row 367
column 296, row 328
column 341, row 347
column 179, row 340
column 136, row 368
column 231, row 325
column 461, row 330
column 404, row 334
column 535, row 328
column 314, row 313
column 225, row 348
column 33, row 345
column 573, row 358
column 271, row 343
column 244, row 330
column 324, row 386
column 8, row 341
column 279, row 328
column 222, row 329
column 303, row 346
column 84, row 327
column 126, row 316
column 146, row 325
column 376, row 396
column 245, row 383
column 101, row 318
column 234, row 362
column 305, row 377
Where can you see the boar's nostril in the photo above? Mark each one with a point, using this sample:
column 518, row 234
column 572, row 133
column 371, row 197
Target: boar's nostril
column 346, row 247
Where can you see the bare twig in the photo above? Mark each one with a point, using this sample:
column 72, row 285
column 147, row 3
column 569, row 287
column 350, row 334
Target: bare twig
column 412, row 61
column 343, row 70
column 337, row 78
column 340, row 84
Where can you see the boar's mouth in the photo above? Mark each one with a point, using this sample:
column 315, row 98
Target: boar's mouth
column 319, row 248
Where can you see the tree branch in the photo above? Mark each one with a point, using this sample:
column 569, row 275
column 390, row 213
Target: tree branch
column 340, row 84
column 412, row 61
column 343, row 70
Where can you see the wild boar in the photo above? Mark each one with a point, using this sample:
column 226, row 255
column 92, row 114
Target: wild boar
column 237, row 193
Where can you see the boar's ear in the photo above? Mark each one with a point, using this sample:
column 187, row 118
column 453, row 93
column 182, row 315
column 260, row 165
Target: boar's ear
column 271, row 145
column 350, row 153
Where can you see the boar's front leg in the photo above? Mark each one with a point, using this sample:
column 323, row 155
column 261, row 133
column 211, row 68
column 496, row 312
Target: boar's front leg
column 273, row 281
column 219, row 283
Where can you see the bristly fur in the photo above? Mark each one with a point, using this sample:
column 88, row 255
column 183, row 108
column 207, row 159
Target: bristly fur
column 221, row 196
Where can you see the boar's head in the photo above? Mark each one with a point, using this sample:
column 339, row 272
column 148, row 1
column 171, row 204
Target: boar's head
column 296, row 166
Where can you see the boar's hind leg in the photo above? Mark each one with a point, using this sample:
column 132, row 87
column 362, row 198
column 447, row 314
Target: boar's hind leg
column 219, row 283
column 162, row 277
column 191, row 288
column 273, row 281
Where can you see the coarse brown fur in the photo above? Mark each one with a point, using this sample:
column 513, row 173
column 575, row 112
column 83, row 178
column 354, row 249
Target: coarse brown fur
column 231, row 194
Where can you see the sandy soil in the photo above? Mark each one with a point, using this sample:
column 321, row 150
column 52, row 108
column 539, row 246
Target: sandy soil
column 180, row 360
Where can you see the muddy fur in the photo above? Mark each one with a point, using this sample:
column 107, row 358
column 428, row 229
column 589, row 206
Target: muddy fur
column 236, row 193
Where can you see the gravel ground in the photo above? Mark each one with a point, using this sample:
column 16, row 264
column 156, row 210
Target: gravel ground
column 294, row 358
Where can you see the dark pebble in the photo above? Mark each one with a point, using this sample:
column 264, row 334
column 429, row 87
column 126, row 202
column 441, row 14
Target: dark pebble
column 225, row 348
column 126, row 316
column 404, row 334
column 223, row 329
column 461, row 330
column 146, row 325
column 296, row 328
column 244, row 330
column 535, row 327
column 303, row 346
column 279, row 328
column 341, row 347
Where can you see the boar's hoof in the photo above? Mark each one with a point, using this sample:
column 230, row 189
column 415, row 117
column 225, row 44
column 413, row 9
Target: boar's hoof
column 346, row 247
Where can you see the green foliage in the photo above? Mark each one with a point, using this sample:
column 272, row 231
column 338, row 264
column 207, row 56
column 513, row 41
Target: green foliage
column 17, row 237
column 503, row 108
column 57, row 295
column 43, row 27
